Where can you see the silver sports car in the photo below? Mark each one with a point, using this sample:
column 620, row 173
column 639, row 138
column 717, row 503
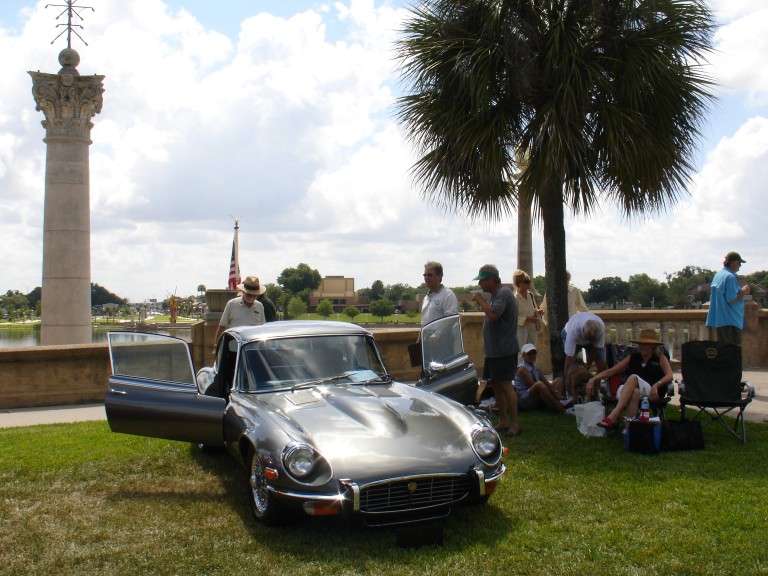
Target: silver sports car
column 317, row 422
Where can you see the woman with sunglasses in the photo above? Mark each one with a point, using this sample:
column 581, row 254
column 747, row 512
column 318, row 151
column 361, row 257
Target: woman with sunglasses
column 528, row 314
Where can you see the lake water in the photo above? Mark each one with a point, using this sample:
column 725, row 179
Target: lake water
column 30, row 336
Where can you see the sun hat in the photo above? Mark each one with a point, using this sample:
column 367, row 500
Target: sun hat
column 252, row 286
column 733, row 256
column 487, row 271
column 527, row 348
column 647, row 336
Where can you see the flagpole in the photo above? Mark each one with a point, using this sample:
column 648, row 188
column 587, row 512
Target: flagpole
column 237, row 251
column 234, row 264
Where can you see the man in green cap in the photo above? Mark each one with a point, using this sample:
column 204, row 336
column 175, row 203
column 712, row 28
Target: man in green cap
column 500, row 345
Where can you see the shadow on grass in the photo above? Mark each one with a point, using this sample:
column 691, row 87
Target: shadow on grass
column 338, row 533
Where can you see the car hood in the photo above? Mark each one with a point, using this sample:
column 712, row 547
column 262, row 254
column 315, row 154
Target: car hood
column 370, row 430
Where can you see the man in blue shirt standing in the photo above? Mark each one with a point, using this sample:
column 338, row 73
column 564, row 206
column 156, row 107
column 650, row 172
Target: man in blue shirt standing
column 726, row 302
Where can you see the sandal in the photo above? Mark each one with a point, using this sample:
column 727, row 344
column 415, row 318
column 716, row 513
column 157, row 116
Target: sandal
column 608, row 424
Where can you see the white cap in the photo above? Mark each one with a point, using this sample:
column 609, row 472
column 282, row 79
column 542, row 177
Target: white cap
column 527, row 348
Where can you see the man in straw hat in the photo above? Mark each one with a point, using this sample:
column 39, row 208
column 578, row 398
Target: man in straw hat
column 245, row 310
column 649, row 373
column 726, row 301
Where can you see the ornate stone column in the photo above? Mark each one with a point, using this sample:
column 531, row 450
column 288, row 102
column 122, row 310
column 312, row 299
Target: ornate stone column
column 69, row 101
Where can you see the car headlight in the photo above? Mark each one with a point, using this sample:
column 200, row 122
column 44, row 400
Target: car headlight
column 485, row 442
column 299, row 460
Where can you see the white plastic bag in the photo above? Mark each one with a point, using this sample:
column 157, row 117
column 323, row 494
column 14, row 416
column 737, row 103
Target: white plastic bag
column 587, row 417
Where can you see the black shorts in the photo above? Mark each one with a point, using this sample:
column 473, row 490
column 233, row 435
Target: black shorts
column 500, row 369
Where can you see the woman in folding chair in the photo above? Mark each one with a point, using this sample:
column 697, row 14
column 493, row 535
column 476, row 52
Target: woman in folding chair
column 649, row 373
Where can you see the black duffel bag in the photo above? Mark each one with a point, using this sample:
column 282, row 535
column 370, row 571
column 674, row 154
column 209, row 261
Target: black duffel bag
column 677, row 435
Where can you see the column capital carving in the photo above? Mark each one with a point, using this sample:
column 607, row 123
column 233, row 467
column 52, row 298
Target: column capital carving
column 68, row 102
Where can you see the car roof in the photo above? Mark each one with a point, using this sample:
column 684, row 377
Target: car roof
column 296, row 328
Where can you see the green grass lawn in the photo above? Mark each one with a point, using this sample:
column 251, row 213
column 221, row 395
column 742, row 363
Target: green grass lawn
column 78, row 499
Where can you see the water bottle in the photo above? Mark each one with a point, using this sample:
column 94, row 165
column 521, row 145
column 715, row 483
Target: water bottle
column 645, row 410
column 604, row 387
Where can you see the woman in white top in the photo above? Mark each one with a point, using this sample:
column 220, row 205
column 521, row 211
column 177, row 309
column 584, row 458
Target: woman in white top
column 528, row 314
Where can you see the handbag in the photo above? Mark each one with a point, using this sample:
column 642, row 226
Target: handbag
column 677, row 435
column 587, row 417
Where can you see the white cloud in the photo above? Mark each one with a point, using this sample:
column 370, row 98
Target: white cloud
column 290, row 125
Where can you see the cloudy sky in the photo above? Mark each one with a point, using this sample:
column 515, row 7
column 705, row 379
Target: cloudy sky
column 281, row 114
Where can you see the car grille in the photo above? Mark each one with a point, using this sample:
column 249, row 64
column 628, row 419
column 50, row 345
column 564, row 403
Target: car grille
column 413, row 493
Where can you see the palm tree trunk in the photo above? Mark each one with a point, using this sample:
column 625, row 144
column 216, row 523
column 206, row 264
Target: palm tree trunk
column 524, row 237
column 552, row 215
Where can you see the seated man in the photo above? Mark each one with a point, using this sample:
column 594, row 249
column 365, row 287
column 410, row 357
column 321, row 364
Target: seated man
column 585, row 330
column 533, row 389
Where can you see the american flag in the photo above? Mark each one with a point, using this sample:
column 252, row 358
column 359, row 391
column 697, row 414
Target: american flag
column 234, row 265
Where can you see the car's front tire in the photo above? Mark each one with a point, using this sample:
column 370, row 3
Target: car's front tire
column 264, row 505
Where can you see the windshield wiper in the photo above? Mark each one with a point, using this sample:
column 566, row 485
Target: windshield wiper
column 311, row 383
column 382, row 379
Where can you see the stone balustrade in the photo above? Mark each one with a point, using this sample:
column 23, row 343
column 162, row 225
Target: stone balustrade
column 77, row 374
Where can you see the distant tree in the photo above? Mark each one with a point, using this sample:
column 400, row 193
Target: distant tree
column 15, row 304
column 399, row 292
column 296, row 307
column 325, row 308
column 300, row 281
column 647, row 291
column 463, row 289
column 377, row 288
column 381, row 308
column 681, row 285
column 411, row 314
column 366, row 293
column 351, row 311
column 34, row 297
column 201, row 288
column 466, row 305
column 278, row 297
column 101, row 296
column 759, row 278
column 609, row 289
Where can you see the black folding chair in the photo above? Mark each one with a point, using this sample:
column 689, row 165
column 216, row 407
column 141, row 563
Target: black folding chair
column 712, row 384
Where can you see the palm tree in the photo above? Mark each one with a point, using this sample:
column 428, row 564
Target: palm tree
column 605, row 99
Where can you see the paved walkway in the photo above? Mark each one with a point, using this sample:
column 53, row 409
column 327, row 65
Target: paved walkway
column 757, row 411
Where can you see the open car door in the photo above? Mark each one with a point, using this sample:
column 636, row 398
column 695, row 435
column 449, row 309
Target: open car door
column 446, row 368
column 153, row 391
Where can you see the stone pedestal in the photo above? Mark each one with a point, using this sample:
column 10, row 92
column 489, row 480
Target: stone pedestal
column 68, row 101
column 216, row 300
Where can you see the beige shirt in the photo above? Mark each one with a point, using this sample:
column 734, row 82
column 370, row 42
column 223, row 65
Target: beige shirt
column 526, row 331
column 236, row 313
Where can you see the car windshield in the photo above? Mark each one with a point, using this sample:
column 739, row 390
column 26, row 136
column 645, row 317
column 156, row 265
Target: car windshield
column 291, row 362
